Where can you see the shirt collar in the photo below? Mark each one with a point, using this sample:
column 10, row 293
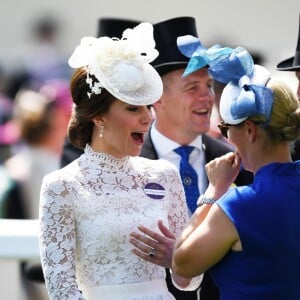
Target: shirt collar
column 164, row 145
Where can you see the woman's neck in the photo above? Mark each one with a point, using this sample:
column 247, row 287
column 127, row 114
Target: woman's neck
column 275, row 153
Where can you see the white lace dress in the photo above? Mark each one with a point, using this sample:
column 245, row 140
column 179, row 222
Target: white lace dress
column 87, row 211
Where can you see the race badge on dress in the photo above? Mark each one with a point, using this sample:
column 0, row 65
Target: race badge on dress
column 154, row 190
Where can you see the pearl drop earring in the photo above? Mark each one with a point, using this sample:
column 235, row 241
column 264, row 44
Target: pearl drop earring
column 101, row 134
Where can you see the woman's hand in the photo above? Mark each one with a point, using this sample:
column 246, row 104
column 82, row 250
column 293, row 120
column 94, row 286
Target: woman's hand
column 222, row 172
column 158, row 249
column 152, row 246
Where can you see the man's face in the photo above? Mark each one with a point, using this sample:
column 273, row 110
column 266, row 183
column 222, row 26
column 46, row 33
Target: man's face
column 184, row 110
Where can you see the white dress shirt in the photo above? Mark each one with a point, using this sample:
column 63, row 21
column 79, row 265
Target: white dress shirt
column 165, row 150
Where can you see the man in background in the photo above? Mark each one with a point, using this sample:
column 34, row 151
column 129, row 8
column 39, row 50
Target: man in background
column 182, row 118
column 292, row 64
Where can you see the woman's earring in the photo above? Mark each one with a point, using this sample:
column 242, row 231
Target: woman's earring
column 101, row 134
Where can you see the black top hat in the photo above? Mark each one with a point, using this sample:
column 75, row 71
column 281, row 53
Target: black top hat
column 292, row 63
column 165, row 36
column 114, row 27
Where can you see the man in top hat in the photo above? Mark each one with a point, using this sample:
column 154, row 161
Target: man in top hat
column 182, row 118
column 293, row 64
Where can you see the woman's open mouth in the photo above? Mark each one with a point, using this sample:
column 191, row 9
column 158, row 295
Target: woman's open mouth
column 138, row 137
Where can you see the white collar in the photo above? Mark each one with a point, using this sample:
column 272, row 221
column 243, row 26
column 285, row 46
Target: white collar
column 164, row 145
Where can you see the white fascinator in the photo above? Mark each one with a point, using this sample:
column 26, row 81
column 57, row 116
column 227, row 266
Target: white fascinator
column 122, row 66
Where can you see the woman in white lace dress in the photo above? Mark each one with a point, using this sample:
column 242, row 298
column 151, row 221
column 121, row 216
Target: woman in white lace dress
column 89, row 208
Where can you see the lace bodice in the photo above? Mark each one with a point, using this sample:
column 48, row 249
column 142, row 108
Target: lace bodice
column 87, row 211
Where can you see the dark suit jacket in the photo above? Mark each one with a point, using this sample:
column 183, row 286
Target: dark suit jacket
column 295, row 151
column 213, row 148
column 69, row 153
column 11, row 200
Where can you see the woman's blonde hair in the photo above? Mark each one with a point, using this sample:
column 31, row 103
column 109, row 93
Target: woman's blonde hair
column 284, row 124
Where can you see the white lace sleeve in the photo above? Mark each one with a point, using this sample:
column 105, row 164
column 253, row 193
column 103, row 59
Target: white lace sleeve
column 57, row 239
column 178, row 218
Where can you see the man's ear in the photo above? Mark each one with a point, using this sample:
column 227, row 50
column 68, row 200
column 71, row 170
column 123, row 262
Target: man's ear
column 157, row 104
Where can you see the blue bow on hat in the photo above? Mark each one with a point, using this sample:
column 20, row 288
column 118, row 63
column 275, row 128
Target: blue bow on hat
column 200, row 57
column 246, row 93
column 251, row 100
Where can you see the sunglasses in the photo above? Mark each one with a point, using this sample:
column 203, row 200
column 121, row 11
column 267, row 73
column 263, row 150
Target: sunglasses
column 223, row 127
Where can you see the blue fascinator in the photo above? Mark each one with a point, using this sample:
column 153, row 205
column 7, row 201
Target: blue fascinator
column 200, row 57
column 245, row 94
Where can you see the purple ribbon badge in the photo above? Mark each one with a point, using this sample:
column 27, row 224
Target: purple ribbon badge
column 154, row 190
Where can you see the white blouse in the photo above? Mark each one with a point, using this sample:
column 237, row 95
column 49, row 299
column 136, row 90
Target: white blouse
column 87, row 211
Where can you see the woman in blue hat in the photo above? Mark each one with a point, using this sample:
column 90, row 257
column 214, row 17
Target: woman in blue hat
column 248, row 237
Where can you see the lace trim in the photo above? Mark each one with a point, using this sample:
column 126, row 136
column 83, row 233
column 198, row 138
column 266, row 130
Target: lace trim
column 105, row 160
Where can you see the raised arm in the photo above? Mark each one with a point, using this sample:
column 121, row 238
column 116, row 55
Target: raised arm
column 210, row 234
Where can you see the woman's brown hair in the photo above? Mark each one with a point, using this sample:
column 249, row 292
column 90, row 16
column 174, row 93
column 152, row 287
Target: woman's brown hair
column 86, row 106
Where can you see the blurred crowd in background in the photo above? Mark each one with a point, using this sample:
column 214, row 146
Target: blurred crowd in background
column 35, row 107
column 43, row 71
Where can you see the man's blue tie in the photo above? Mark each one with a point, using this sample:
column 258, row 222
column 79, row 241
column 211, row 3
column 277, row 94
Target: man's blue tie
column 188, row 176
